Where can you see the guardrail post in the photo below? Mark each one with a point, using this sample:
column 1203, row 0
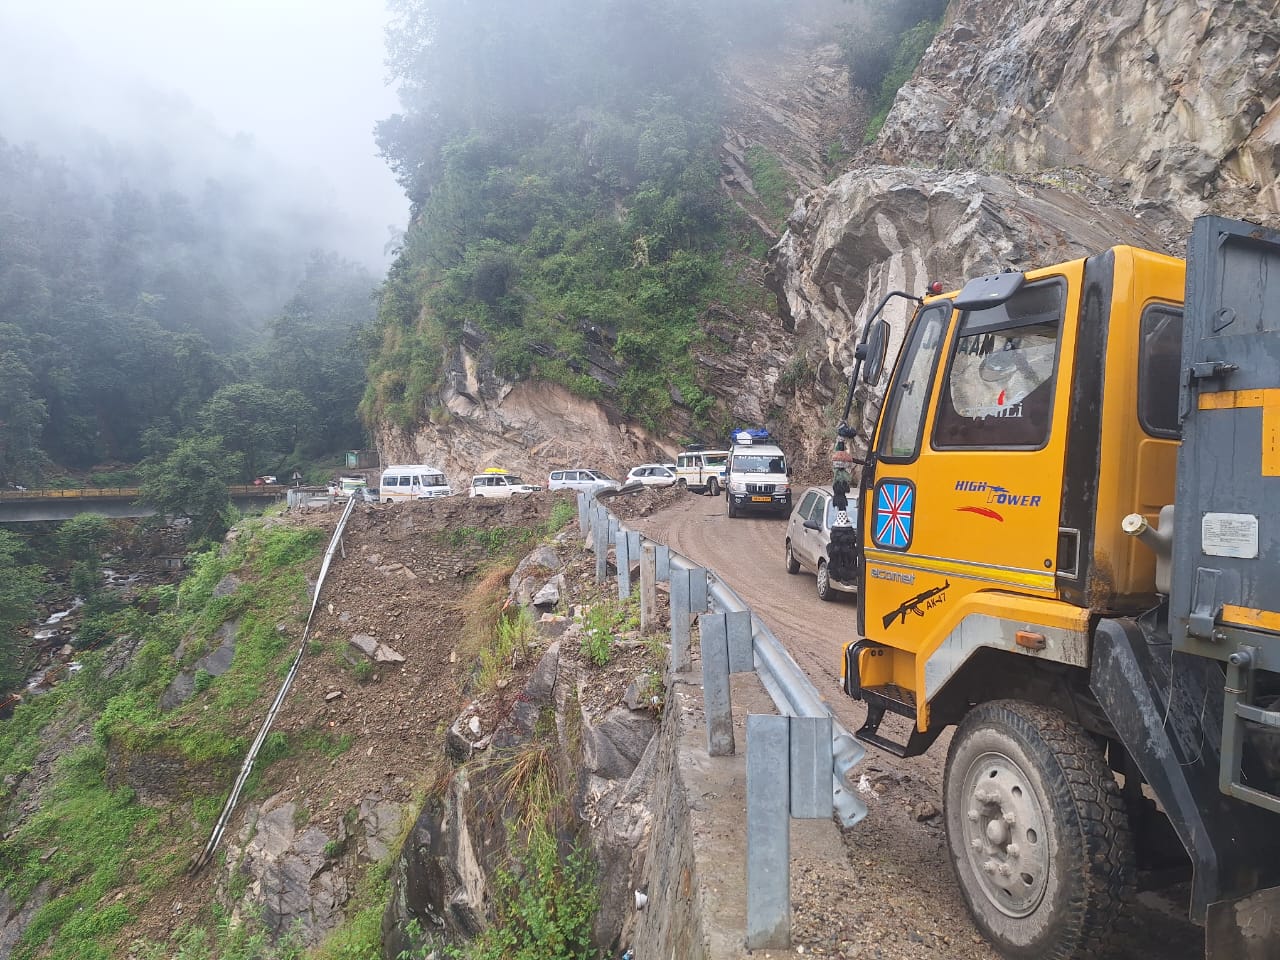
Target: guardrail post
column 680, row 661
column 613, row 529
column 582, row 514
column 713, row 639
column 738, row 627
column 664, row 562
column 648, row 585
column 601, row 532
column 623, row 556
column 688, row 596
column 768, row 833
column 811, row 767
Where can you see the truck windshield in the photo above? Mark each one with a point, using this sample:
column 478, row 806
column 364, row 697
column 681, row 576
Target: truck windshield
column 758, row 463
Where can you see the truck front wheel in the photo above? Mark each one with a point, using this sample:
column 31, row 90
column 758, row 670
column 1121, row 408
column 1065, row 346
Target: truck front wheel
column 1037, row 832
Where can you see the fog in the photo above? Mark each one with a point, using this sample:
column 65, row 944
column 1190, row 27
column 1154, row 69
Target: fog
column 278, row 97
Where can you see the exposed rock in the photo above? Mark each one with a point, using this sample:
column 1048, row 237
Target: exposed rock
column 893, row 228
column 924, row 810
column 549, row 595
column 15, row 917
column 230, row 583
column 283, row 860
column 361, row 646
column 1169, row 100
column 215, row 663
column 612, row 748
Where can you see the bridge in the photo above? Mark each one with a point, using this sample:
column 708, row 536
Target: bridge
column 53, row 503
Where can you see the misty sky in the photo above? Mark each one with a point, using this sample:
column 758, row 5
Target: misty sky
column 304, row 79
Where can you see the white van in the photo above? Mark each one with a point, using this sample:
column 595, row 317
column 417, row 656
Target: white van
column 702, row 470
column 758, row 477
column 415, row 481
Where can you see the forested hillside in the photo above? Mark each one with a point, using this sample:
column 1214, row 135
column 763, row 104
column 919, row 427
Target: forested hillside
column 127, row 305
column 561, row 161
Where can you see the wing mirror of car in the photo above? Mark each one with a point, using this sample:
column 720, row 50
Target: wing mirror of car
column 812, row 525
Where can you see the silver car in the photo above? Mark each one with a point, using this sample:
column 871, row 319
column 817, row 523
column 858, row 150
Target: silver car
column 809, row 536
column 581, row 478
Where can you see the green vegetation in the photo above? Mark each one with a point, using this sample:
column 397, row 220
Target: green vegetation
column 562, row 164
column 87, row 838
column 134, row 316
column 544, row 906
column 602, row 622
column 884, row 44
column 20, row 585
column 776, row 188
column 510, row 645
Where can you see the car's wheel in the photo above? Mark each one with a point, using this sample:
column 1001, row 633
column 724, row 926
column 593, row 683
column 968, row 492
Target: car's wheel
column 793, row 565
column 824, row 582
column 732, row 512
column 713, row 487
column 1037, row 832
column 682, row 484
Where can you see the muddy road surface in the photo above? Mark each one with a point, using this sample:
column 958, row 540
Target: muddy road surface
column 907, row 904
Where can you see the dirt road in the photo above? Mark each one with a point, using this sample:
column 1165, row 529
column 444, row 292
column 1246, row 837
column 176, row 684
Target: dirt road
column 907, row 905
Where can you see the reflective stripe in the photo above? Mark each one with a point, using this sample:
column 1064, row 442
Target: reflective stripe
column 991, row 573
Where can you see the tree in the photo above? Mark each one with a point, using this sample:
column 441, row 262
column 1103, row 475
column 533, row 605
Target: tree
column 20, row 586
column 191, row 481
column 254, row 422
column 80, row 541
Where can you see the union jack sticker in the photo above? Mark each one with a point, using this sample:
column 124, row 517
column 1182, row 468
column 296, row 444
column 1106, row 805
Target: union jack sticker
column 893, row 518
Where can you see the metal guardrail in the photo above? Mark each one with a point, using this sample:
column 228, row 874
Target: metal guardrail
column 246, row 768
column 792, row 692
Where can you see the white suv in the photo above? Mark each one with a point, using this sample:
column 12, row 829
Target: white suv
column 592, row 481
column 500, row 485
column 758, row 479
column 702, row 470
column 653, row 475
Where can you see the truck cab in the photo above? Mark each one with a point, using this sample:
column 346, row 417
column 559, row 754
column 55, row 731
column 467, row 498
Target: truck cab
column 1018, row 581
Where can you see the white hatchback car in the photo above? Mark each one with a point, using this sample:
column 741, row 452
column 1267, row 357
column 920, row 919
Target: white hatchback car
column 592, row 481
column 653, row 474
column 500, row 485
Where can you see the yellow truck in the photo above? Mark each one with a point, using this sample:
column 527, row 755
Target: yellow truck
column 1067, row 548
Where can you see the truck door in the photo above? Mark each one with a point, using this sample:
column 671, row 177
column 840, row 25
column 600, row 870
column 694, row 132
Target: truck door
column 1226, row 569
column 968, row 480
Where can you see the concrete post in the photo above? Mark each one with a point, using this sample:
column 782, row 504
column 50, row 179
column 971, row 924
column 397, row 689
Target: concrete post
column 633, row 547
column 714, row 642
column 623, row 555
column 741, row 655
column 648, row 586
column 768, row 834
column 680, row 661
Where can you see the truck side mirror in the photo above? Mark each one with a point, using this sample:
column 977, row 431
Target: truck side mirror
column 874, row 351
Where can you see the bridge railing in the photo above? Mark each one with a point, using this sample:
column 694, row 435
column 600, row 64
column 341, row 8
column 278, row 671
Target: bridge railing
column 129, row 493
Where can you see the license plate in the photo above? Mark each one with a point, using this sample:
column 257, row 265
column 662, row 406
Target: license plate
column 761, row 499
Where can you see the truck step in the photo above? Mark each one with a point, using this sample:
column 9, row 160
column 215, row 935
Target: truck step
column 891, row 699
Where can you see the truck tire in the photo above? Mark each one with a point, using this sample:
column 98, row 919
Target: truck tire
column 1037, row 832
column 713, row 487
column 793, row 565
column 824, row 582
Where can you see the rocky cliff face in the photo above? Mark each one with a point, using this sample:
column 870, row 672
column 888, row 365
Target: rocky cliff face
column 1175, row 100
column 525, row 427
column 1033, row 133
